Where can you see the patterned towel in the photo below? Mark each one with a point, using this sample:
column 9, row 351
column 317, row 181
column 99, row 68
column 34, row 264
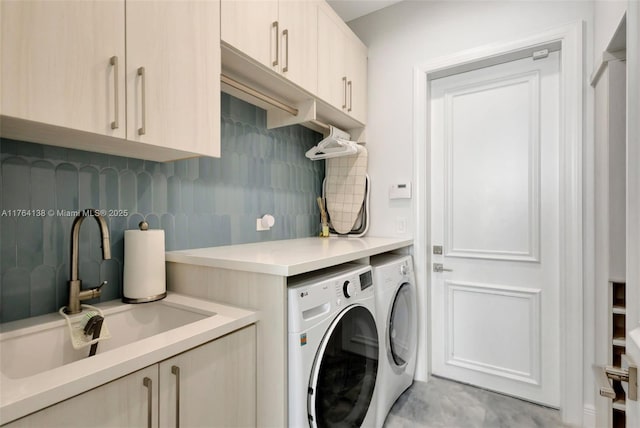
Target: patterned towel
column 345, row 189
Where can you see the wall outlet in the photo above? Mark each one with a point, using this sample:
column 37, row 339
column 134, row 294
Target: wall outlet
column 265, row 222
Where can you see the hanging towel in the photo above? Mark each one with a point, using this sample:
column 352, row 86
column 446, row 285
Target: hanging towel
column 345, row 189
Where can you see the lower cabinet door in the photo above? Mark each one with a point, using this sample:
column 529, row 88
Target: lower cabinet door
column 213, row 385
column 126, row 402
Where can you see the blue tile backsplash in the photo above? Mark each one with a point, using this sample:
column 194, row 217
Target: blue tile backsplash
column 200, row 202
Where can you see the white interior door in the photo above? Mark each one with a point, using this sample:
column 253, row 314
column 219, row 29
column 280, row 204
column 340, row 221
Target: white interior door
column 495, row 216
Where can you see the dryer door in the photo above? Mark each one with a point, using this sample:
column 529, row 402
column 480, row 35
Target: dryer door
column 344, row 371
column 401, row 331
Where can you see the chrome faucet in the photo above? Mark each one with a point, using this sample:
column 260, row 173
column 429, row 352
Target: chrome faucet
column 76, row 294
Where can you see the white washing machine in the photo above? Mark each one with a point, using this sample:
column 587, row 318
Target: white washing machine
column 333, row 348
column 397, row 313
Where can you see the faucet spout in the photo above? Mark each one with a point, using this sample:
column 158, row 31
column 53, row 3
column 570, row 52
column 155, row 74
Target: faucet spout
column 76, row 294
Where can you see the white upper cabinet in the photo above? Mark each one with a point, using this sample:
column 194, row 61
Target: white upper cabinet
column 173, row 68
column 250, row 27
column 356, row 62
column 281, row 35
column 342, row 65
column 57, row 67
column 332, row 76
column 70, row 76
column 299, row 42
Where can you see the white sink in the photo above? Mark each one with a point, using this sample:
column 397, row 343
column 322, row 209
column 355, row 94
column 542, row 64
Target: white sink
column 39, row 367
column 28, row 351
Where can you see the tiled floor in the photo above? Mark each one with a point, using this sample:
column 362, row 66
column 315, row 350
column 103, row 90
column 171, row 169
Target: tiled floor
column 441, row 403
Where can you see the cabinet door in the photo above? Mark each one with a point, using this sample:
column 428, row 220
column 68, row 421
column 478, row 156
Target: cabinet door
column 332, row 77
column 299, row 42
column 356, row 60
column 251, row 27
column 122, row 403
column 56, row 66
column 173, row 74
column 213, row 385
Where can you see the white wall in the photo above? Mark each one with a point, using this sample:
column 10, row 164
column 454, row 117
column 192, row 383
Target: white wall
column 413, row 32
column 607, row 16
column 410, row 33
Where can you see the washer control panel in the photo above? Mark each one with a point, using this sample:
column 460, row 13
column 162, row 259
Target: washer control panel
column 316, row 296
column 353, row 285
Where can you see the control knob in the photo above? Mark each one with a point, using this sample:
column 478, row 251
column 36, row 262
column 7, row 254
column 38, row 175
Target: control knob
column 348, row 289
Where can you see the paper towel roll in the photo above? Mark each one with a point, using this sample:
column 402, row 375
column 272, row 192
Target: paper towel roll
column 144, row 267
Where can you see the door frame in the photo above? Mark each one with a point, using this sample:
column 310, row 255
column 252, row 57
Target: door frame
column 569, row 39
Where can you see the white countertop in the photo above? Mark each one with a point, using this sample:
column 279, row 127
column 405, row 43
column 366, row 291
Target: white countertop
column 288, row 257
column 19, row 397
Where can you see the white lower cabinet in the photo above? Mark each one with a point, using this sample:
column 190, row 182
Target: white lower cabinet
column 212, row 385
column 121, row 403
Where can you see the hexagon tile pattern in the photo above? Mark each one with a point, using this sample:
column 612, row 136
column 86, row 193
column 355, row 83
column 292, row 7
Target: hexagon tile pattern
column 201, row 202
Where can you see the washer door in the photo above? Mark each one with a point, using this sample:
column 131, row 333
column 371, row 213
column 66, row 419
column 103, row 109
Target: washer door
column 402, row 326
column 344, row 371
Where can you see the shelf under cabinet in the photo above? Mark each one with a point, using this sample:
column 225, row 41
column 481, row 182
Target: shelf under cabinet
column 620, row 405
column 619, row 310
column 619, row 341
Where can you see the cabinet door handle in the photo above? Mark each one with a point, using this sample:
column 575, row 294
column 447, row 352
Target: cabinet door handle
column 114, row 62
column 350, row 85
column 285, row 33
column 275, row 25
column 344, row 87
column 176, row 371
column 143, row 129
column 149, row 384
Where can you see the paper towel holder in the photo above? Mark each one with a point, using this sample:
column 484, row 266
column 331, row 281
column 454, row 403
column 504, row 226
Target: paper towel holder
column 143, row 293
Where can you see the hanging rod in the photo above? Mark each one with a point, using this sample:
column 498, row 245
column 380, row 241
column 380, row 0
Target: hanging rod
column 265, row 98
column 320, row 124
column 257, row 94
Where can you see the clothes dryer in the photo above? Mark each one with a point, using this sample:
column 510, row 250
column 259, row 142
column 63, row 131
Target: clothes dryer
column 397, row 311
column 333, row 349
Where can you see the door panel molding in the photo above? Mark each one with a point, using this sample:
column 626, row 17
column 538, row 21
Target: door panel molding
column 514, row 353
column 520, row 241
